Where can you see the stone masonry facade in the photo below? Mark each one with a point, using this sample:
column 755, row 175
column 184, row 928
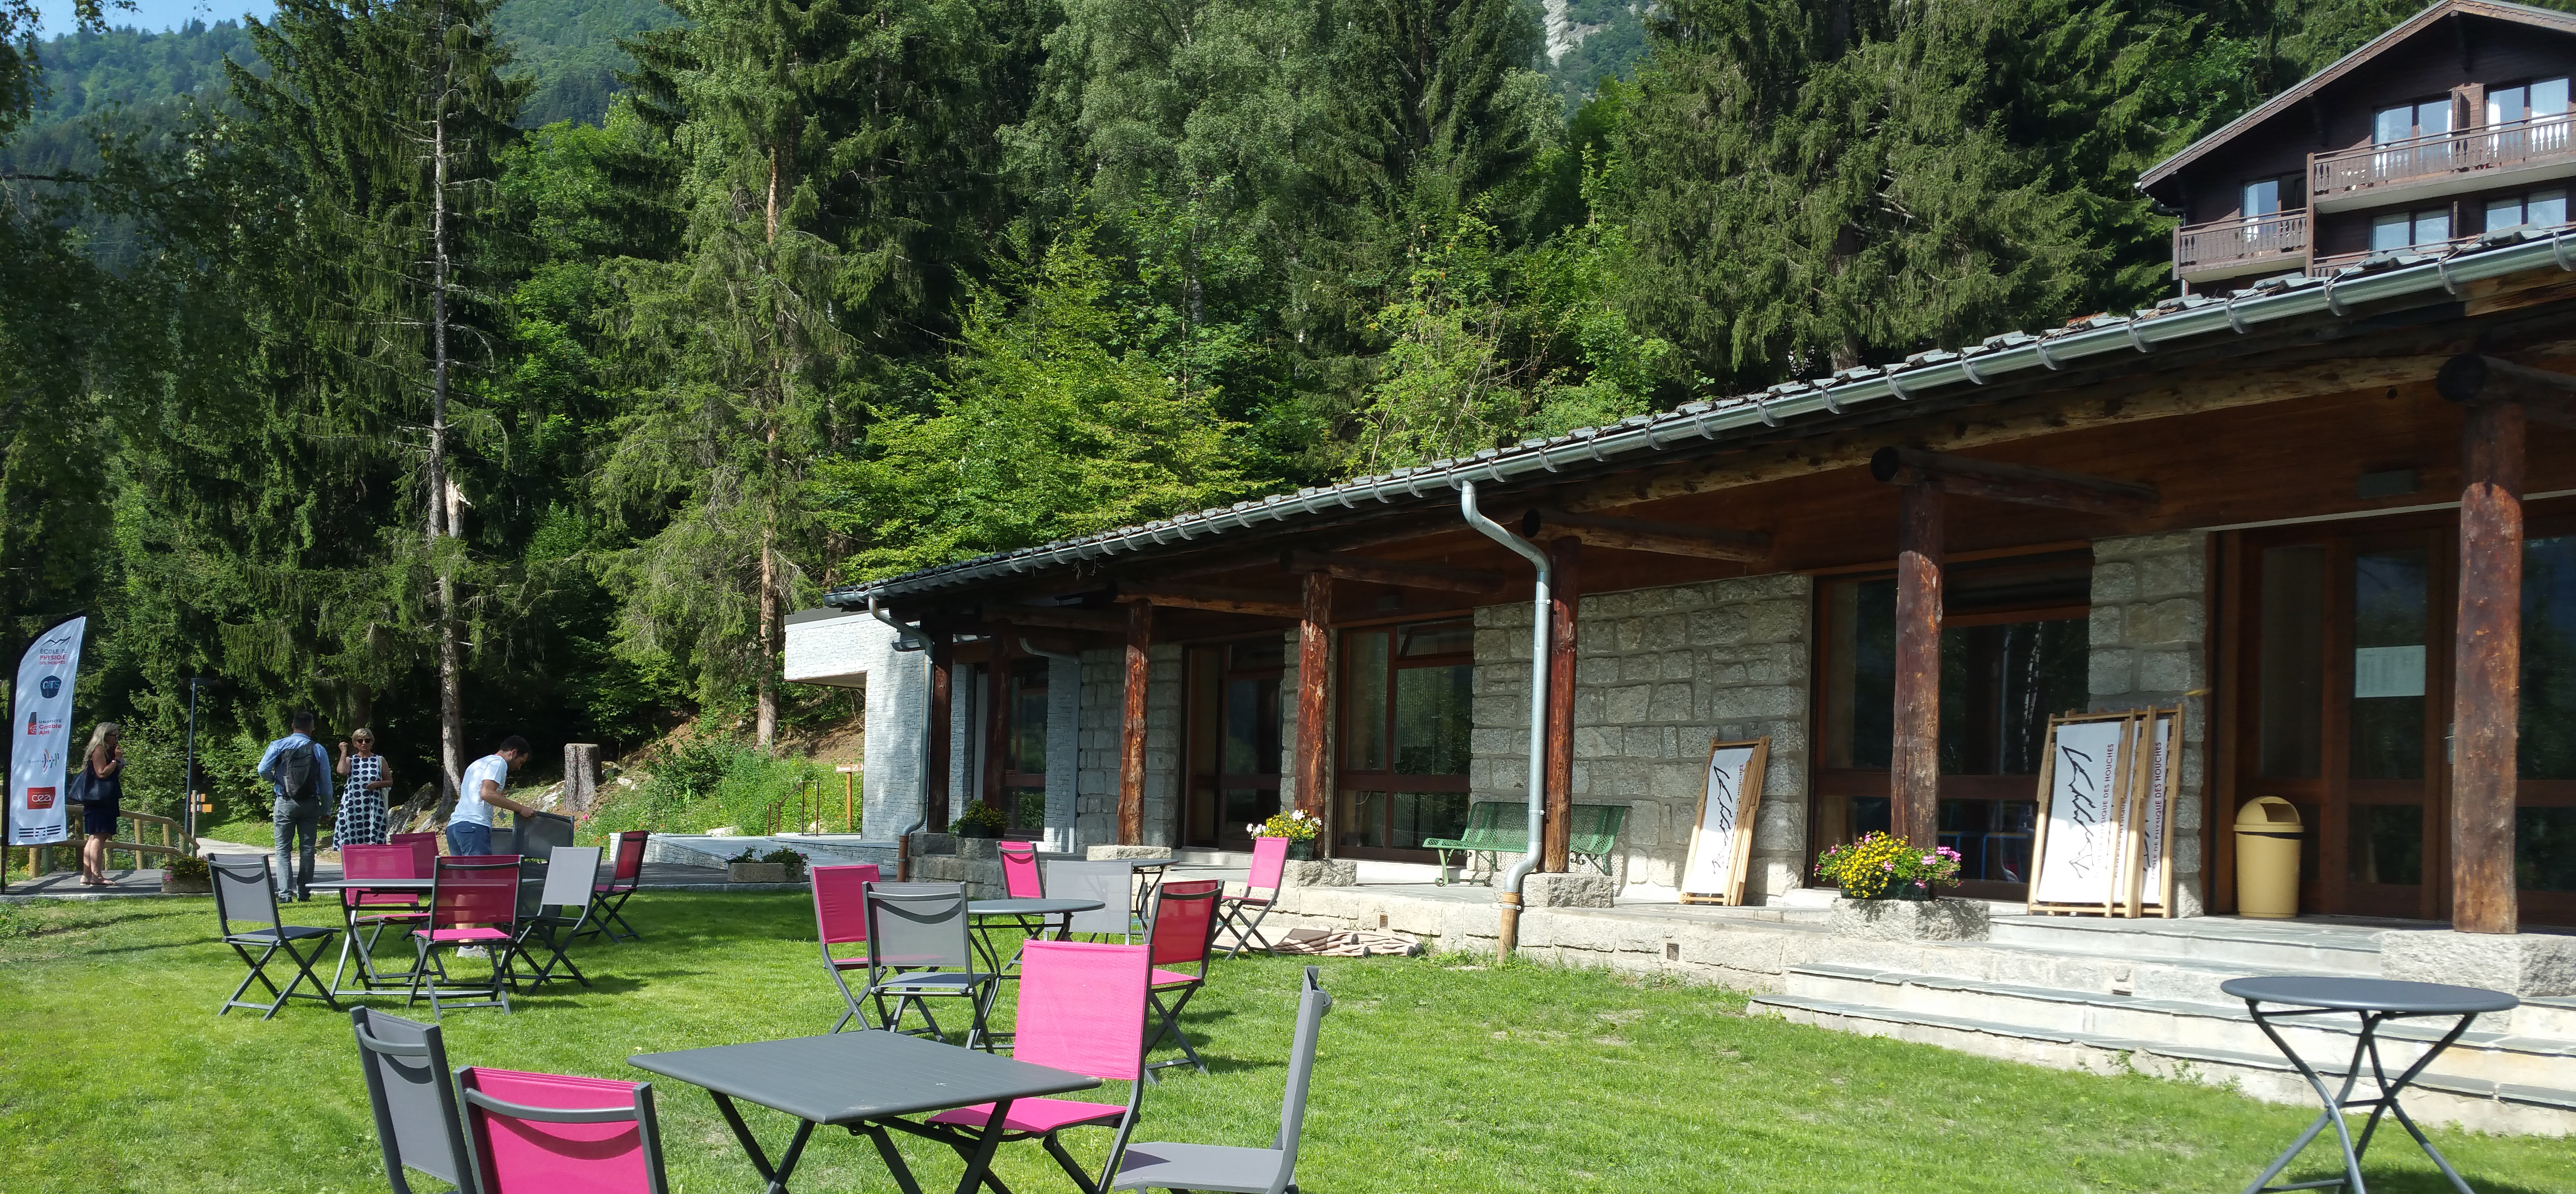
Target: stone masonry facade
column 1659, row 673
column 1095, row 745
column 2150, row 647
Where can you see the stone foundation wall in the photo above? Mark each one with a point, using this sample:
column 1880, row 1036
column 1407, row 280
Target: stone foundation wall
column 2150, row 647
column 1659, row 673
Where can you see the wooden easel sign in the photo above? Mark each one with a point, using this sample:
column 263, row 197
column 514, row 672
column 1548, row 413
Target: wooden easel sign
column 2085, row 780
column 1721, row 844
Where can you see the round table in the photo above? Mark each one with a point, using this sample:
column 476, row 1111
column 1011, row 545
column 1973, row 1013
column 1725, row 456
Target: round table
column 1028, row 914
column 2376, row 1001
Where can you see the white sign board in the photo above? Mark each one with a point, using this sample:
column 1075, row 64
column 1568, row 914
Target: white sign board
column 1721, row 843
column 2079, row 862
column 2164, row 755
column 40, row 729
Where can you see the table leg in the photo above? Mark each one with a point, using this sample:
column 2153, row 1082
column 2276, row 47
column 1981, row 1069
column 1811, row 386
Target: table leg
column 894, row 1160
column 981, row 1161
column 777, row 1178
column 2351, row 1180
column 2388, row 1101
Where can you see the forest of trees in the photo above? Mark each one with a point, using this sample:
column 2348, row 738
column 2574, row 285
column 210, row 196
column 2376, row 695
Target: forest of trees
column 350, row 389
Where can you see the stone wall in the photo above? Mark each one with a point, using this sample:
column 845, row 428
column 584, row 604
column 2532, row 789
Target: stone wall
column 855, row 650
column 2150, row 647
column 1659, row 673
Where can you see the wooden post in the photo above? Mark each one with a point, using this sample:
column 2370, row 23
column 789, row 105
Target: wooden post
column 1131, row 732
column 997, row 723
column 934, row 786
column 1564, row 598
column 1914, row 780
column 2487, row 670
column 1314, row 667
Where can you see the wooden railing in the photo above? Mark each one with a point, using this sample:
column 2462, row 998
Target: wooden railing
column 40, row 858
column 2419, row 158
column 2222, row 243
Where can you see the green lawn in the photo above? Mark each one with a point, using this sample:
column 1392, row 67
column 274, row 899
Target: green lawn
column 116, row 1075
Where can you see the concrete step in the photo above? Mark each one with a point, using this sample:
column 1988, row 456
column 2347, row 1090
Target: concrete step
column 2306, row 947
column 2546, row 1017
column 2140, row 974
column 2439, row 1097
column 2490, row 1050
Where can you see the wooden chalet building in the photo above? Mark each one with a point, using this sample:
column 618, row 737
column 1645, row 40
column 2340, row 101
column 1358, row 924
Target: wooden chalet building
column 2451, row 126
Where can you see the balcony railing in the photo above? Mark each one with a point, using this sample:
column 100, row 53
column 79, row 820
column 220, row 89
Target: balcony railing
column 2440, row 156
column 2225, row 247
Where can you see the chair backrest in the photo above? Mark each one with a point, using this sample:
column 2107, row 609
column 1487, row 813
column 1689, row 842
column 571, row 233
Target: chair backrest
column 1269, row 859
column 559, row 1134
column 401, row 838
column 1184, row 922
column 405, row 1064
column 569, row 875
column 1082, row 1008
column 841, row 902
column 539, row 835
column 474, row 889
column 918, row 926
column 376, row 862
column 424, row 847
column 1107, row 882
column 1594, row 828
column 1312, row 1003
column 1020, row 871
column 243, row 891
column 532, row 889
column 630, row 857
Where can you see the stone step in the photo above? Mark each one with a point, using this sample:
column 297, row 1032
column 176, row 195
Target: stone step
column 2489, row 1051
column 2546, row 1017
column 2303, row 946
column 2438, row 1097
column 2143, row 975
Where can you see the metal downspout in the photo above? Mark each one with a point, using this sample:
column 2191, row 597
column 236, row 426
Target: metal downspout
column 1510, row 895
column 908, row 639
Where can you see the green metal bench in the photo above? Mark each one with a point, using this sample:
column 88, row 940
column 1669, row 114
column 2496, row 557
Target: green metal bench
column 1499, row 827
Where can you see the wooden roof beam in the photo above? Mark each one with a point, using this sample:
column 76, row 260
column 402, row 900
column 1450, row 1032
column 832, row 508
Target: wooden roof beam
column 1213, row 598
column 1058, row 617
column 1968, row 476
column 2471, row 379
column 1639, row 534
column 1394, row 572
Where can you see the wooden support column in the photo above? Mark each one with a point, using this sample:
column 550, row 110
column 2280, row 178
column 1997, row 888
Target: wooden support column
column 2487, row 680
column 1564, row 599
column 1314, row 667
column 1131, row 731
column 934, row 786
column 1914, row 780
column 997, row 723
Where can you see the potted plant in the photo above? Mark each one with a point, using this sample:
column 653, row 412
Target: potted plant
column 981, row 820
column 1296, row 826
column 186, row 876
column 792, row 861
column 1883, row 867
column 748, row 867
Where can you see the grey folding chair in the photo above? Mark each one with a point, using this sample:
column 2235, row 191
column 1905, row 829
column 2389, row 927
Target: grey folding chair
column 539, row 835
column 1107, row 882
column 416, row 1116
column 1210, row 1167
column 243, row 893
column 552, row 915
column 918, row 950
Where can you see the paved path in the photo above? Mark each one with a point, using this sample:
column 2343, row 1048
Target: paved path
column 657, row 876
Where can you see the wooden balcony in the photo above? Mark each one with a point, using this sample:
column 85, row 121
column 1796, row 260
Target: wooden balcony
column 2235, row 247
column 2440, row 165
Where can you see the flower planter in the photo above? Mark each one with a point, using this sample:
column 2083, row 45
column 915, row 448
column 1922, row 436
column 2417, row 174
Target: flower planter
column 978, row 832
column 755, row 872
column 1895, row 891
column 1301, row 851
column 170, row 886
column 1909, row 920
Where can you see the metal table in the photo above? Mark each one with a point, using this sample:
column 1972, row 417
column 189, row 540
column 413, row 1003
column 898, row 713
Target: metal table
column 1029, row 914
column 2376, row 1001
column 368, row 977
column 863, row 1081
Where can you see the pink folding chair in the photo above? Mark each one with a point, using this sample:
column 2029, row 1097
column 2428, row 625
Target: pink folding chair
column 558, row 1134
column 1181, row 934
column 1082, row 1008
column 373, row 910
column 1020, row 878
column 841, row 917
column 473, row 899
column 427, row 839
column 1242, row 915
column 625, row 871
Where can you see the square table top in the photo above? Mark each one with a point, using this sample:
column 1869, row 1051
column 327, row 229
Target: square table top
column 850, row 1077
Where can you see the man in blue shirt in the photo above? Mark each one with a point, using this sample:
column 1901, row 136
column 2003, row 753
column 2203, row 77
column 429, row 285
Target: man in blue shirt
column 300, row 771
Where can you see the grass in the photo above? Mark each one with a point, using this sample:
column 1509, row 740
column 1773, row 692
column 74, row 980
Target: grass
column 1435, row 1076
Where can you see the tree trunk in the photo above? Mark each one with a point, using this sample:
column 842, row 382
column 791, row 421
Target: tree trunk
column 445, row 499
column 766, row 721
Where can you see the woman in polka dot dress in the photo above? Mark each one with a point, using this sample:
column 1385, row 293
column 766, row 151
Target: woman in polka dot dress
column 362, row 804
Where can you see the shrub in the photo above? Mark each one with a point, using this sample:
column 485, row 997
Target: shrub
column 187, row 869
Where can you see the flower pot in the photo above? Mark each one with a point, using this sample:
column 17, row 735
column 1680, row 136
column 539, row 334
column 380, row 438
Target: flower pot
column 170, row 886
column 755, row 872
column 969, row 829
column 1899, row 890
column 1301, row 851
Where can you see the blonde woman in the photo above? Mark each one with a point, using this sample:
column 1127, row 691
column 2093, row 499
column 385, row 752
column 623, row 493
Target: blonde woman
column 362, row 805
column 103, row 785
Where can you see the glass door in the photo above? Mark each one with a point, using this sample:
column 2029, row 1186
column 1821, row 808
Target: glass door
column 1234, row 741
column 1407, row 722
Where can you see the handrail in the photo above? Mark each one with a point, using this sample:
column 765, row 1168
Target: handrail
column 2238, row 239
column 2436, row 154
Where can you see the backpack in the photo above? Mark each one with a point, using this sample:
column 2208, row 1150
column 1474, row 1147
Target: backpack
column 297, row 773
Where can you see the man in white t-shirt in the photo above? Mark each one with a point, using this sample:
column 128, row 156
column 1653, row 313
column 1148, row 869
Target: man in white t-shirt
column 469, row 828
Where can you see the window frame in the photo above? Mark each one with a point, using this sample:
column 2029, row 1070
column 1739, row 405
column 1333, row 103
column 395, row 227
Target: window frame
column 1350, row 783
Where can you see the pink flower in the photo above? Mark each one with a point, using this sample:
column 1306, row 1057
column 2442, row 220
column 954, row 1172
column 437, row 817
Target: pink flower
column 1887, row 866
column 1931, row 860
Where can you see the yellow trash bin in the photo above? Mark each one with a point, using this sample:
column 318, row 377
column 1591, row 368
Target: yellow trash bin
column 2267, row 858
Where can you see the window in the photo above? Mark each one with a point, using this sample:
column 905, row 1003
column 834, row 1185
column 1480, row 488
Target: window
column 2405, row 122
column 2539, row 99
column 1024, row 754
column 2544, row 209
column 2014, row 643
column 1407, row 719
column 2406, row 229
column 1235, row 746
column 2262, row 198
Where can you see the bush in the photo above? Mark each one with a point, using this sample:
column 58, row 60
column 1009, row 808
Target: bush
column 186, row 868
column 709, row 783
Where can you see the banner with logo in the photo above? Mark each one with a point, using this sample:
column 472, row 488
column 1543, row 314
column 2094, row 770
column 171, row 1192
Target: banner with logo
column 40, row 734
